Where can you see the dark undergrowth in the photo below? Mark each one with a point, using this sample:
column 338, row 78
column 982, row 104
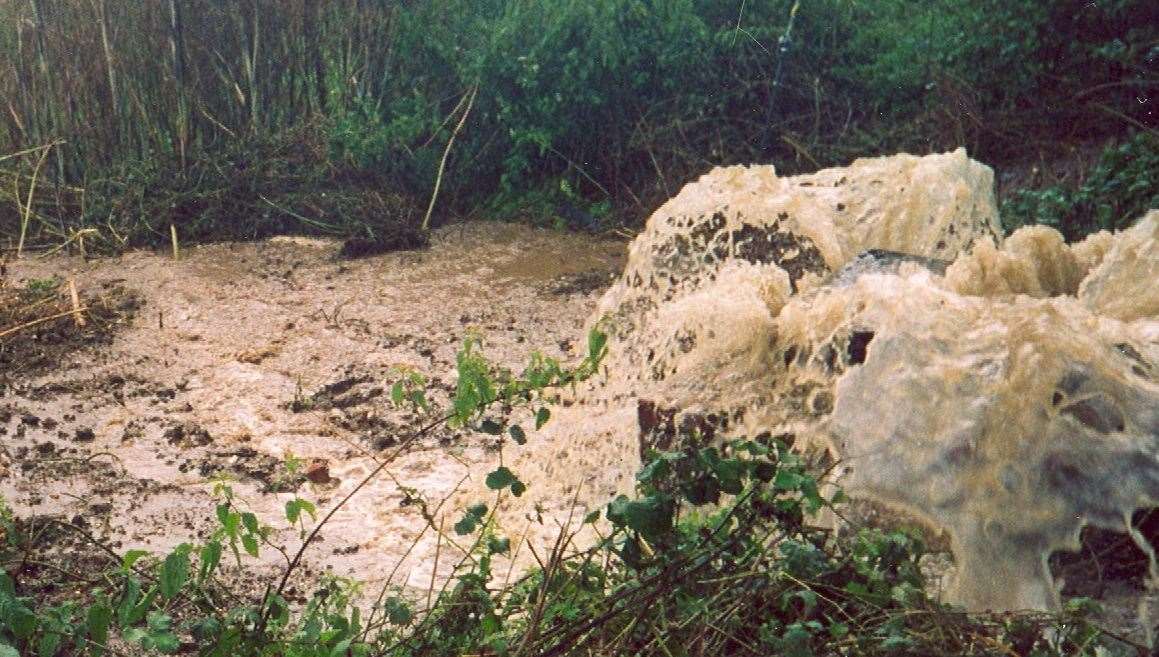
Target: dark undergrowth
column 239, row 120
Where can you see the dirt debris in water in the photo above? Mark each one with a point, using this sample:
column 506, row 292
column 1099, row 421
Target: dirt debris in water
column 237, row 357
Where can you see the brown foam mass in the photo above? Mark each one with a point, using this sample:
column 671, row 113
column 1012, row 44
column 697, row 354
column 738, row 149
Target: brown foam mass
column 1006, row 391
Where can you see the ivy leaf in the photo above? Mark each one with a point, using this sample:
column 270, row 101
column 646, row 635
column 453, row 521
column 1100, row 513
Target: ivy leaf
column 517, row 434
column 471, row 520
column 398, row 611
column 501, row 478
column 466, row 525
column 651, row 516
column 505, row 478
column 788, row 480
column 656, row 470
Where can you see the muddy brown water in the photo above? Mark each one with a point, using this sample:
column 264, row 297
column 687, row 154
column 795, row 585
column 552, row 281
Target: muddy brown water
column 242, row 355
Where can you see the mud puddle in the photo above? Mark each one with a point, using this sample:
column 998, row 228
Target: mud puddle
column 240, row 357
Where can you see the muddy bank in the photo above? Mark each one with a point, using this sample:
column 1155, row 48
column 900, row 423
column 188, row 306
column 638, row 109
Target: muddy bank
column 239, row 357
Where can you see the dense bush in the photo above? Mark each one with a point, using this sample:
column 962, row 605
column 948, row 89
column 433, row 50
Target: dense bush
column 607, row 106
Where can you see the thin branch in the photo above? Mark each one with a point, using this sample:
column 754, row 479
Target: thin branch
column 446, row 153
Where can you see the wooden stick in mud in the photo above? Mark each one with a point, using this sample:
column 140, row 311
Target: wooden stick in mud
column 77, row 316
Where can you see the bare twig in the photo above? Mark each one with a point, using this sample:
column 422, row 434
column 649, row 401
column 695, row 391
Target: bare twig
column 446, row 153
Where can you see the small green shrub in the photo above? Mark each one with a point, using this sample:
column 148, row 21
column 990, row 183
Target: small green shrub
column 1121, row 186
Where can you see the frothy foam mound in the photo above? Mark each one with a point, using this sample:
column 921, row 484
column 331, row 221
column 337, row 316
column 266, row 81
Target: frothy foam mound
column 1006, row 391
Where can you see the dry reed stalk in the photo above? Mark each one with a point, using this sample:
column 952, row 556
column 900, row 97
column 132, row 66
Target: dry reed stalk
column 173, row 241
column 26, row 216
column 435, row 567
column 77, row 316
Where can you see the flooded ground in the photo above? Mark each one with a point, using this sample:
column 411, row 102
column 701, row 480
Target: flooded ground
column 239, row 357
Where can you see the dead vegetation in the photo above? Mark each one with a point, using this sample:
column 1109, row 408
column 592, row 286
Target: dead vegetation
column 44, row 321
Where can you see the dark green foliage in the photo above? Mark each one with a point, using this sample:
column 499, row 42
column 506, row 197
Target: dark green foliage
column 1121, row 186
column 341, row 116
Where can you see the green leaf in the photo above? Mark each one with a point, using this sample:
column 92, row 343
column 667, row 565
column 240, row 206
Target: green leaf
column 250, row 522
column 21, row 620
column 250, row 544
column 49, row 644
column 501, row 478
column 655, row 471
column 419, row 398
column 127, row 610
column 498, row 545
column 163, row 642
column 223, row 514
column 518, row 488
column 490, row 426
column 8, row 651
column 131, row 557
column 808, row 600
column 517, row 434
column 175, row 571
column 466, row 525
column 210, row 558
column 471, row 519
column 296, row 506
column 97, row 623
column 597, row 345
column 788, row 480
column 541, row 417
column 651, row 516
column 396, row 393
column 398, row 611
column 728, row 472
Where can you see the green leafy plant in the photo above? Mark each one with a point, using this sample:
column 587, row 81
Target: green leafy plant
column 1115, row 192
